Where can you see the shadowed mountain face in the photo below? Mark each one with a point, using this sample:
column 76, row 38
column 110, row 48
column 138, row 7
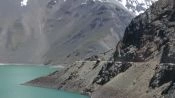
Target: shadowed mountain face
column 148, row 33
column 58, row 31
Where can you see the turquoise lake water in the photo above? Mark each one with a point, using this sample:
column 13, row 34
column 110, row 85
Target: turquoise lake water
column 11, row 76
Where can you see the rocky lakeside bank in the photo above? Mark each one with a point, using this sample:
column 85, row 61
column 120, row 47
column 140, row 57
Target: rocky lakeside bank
column 82, row 76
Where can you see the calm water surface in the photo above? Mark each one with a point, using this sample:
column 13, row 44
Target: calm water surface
column 11, row 76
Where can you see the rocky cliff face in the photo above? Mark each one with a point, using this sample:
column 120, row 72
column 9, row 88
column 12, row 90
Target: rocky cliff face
column 148, row 33
column 148, row 41
column 151, row 35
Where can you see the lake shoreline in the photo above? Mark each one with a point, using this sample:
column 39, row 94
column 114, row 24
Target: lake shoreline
column 20, row 64
column 15, row 76
column 35, row 83
column 78, row 77
column 51, row 87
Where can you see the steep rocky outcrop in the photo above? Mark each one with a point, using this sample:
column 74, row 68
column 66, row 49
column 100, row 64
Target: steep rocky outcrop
column 110, row 70
column 151, row 35
column 148, row 33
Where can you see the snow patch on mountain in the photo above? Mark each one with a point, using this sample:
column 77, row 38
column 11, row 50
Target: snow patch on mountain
column 135, row 6
column 24, row 3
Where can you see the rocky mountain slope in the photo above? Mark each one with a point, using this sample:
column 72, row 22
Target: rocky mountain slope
column 148, row 40
column 84, row 29
column 62, row 31
column 58, row 31
column 143, row 65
